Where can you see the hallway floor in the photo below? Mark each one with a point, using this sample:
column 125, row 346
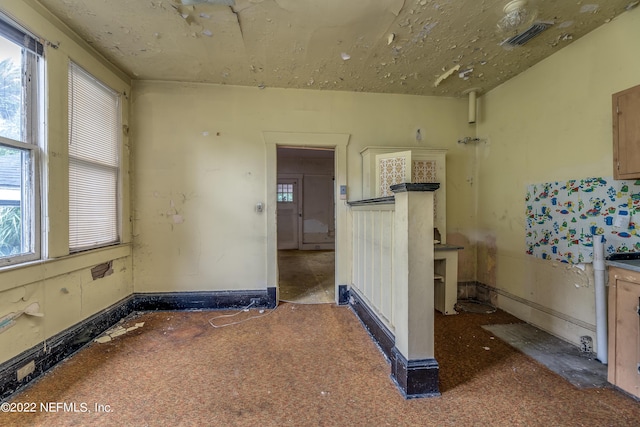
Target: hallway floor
column 306, row 277
column 306, row 365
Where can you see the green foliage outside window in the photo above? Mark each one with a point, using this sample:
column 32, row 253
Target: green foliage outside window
column 10, row 230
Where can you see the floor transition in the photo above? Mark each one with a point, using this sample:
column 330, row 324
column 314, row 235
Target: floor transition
column 306, row 277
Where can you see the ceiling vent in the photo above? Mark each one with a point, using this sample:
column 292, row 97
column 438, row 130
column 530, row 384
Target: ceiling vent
column 526, row 35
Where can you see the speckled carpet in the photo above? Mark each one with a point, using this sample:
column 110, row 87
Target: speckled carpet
column 304, row 365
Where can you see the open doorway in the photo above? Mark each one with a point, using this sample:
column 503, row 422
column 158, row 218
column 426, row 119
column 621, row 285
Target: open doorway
column 306, row 224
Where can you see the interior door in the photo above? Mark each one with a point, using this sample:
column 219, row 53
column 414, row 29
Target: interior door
column 288, row 213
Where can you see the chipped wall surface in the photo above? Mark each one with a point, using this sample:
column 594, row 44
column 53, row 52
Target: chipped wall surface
column 383, row 46
column 62, row 285
column 199, row 152
column 551, row 123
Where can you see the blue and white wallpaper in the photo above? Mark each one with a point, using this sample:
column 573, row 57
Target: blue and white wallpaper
column 563, row 217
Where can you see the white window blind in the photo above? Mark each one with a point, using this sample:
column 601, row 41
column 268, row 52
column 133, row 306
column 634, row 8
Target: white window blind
column 94, row 145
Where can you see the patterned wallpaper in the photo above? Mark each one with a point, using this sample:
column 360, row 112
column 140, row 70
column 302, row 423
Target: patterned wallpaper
column 392, row 171
column 424, row 171
column 563, row 217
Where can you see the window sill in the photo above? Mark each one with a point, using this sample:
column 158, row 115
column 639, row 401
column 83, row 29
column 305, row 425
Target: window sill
column 29, row 272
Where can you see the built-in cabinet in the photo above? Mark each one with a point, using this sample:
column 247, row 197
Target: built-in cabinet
column 624, row 330
column 383, row 167
column 445, row 283
column 626, row 134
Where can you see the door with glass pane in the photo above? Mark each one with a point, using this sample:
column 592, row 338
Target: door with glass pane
column 288, row 196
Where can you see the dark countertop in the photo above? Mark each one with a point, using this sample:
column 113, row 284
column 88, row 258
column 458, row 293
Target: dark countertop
column 389, row 200
column 627, row 264
column 441, row 247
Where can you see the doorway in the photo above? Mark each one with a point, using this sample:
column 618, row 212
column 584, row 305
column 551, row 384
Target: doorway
column 306, row 224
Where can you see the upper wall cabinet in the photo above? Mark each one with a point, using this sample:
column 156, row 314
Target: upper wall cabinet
column 383, row 167
column 626, row 134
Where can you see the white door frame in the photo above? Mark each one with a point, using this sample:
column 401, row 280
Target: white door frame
column 337, row 141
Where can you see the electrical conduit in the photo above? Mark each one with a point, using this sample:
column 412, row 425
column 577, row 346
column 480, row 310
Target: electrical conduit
column 601, row 299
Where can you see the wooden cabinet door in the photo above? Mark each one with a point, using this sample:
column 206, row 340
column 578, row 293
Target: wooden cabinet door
column 626, row 134
column 624, row 330
column 627, row 358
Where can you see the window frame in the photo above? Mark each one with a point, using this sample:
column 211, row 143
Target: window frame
column 286, row 193
column 32, row 141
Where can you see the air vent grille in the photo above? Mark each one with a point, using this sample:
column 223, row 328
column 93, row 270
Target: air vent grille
column 528, row 34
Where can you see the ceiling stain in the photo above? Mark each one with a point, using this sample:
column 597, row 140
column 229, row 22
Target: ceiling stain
column 385, row 46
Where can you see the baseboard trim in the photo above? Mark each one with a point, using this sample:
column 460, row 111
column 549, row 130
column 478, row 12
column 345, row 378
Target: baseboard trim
column 60, row 346
column 378, row 330
column 486, row 289
column 343, row 294
column 204, row 300
column 54, row 350
column 415, row 378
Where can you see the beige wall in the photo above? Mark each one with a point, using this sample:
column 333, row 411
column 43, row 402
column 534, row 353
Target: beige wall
column 200, row 162
column 62, row 285
column 199, row 167
column 551, row 123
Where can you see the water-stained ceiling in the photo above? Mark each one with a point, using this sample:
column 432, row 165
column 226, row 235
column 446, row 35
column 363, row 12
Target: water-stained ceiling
column 423, row 47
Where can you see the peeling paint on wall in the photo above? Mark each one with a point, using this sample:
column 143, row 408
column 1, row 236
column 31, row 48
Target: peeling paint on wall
column 117, row 331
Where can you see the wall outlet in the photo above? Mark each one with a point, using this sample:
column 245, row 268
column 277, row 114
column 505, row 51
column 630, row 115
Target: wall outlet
column 26, row 370
column 255, row 301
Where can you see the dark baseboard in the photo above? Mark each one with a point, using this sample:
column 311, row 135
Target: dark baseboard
column 204, row 300
column 343, row 294
column 415, row 378
column 69, row 341
column 60, row 346
column 380, row 333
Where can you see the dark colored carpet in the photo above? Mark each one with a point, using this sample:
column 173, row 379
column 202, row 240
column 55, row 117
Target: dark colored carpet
column 307, row 365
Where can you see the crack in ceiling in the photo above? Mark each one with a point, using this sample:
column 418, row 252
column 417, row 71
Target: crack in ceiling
column 386, row 46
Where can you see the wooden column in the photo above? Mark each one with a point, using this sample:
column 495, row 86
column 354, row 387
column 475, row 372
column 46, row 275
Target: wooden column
column 413, row 366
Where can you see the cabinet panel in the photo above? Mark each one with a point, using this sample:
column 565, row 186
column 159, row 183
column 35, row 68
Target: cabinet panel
column 626, row 134
column 628, row 343
column 624, row 330
column 407, row 164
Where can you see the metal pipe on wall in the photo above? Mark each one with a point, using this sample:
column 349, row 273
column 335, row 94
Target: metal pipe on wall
column 599, row 271
column 472, row 106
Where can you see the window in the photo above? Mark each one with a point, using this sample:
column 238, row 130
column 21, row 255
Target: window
column 285, row 193
column 94, row 162
column 20, row 105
